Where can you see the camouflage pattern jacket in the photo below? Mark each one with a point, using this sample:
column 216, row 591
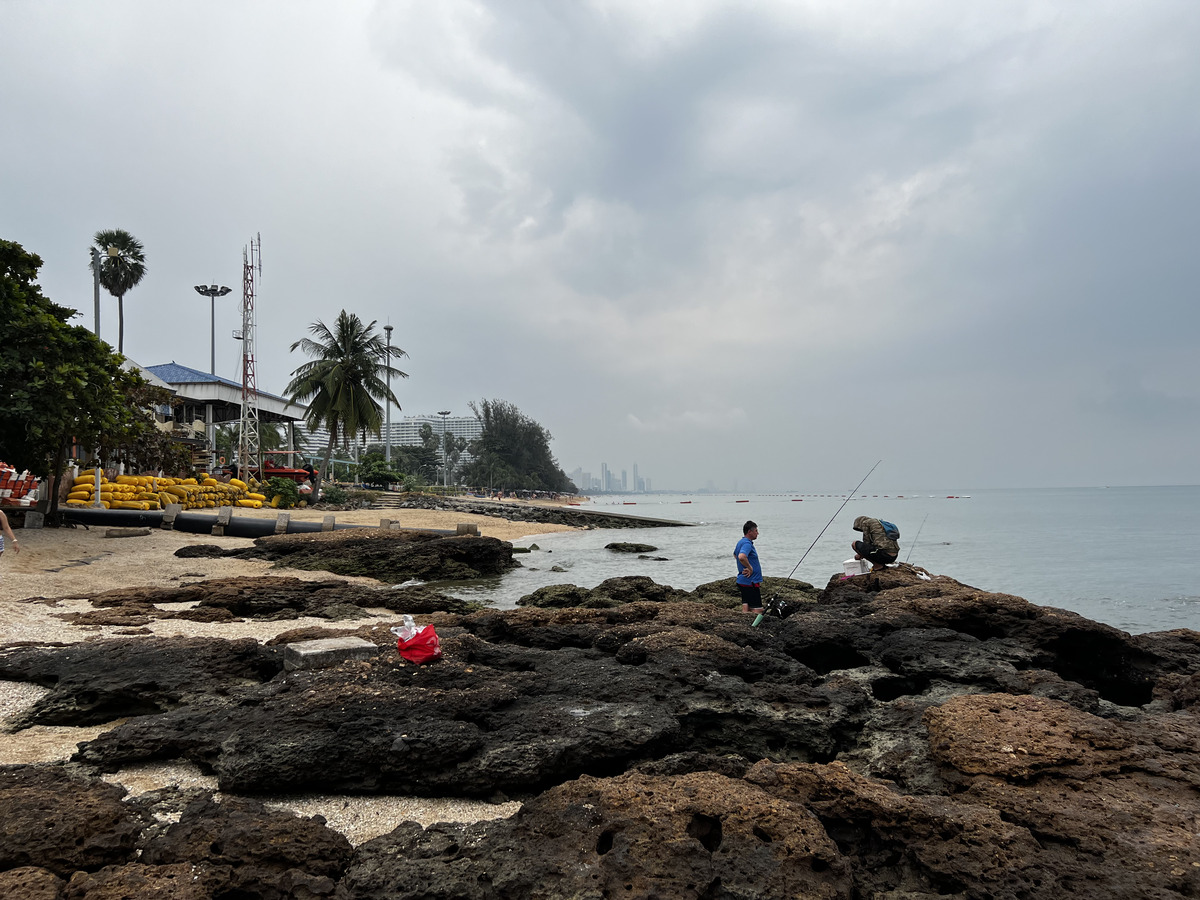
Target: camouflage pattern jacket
column 874, row 534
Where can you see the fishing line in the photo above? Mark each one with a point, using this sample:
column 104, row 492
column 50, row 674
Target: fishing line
column 835, row 515
column 914, row 540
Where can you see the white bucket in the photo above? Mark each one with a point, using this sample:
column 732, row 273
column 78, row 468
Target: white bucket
column 856, row 567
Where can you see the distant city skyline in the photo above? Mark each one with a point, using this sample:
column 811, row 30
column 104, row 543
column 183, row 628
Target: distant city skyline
column 609, row 481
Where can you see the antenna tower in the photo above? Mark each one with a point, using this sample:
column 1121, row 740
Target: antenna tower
column 249, row 447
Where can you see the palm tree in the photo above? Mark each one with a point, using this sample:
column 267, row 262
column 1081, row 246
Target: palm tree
column 121, row 271
column 344, row 380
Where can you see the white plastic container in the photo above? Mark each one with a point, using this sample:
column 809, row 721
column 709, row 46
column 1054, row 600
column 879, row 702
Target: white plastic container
column 856, row 567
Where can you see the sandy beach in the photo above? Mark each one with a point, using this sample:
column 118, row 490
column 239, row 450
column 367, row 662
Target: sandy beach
column 55, row 566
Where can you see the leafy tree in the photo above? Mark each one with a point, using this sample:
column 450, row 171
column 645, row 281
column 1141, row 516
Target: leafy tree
column 376, row 472
column 120, row 272
column 344, row 382
column 62, row 384
column 514, row 451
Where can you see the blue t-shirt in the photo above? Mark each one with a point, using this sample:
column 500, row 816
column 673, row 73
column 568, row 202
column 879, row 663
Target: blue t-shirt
column 745, row 545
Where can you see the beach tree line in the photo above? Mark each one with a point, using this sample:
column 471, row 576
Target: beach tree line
column 68, row 395
column 345, row 384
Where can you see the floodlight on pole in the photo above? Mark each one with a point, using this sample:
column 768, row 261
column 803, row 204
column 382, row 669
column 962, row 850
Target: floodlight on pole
column 445, row 471
column 212, row 292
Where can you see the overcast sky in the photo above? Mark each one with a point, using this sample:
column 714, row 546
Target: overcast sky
column 767, row 243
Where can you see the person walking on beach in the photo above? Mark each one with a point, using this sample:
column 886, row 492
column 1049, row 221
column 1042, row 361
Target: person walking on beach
column 877, row 545
column 749, row 578
column 6, row 534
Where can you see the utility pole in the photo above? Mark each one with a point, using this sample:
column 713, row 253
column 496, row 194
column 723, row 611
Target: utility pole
column 445, row 471
column 387, row 444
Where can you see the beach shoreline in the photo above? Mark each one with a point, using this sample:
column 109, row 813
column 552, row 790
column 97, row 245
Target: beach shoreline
column 42, row 585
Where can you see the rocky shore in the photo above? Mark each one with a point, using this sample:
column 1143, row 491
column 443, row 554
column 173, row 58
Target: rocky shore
column 556, row 514
column 899, row 735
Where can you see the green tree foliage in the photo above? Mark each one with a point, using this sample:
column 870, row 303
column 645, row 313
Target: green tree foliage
column 120, row 271
column 344, row 382
column 514, row 451
column 283, row 488
column 373, row 470
column 60, row 384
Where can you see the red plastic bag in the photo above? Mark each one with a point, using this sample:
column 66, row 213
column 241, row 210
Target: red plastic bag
column 422, row 647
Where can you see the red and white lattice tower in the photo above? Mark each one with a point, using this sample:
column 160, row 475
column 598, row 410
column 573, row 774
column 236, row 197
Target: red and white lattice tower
column 249, row 447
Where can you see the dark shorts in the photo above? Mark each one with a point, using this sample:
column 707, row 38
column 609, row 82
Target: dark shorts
column 751, row 596
column 872, row 553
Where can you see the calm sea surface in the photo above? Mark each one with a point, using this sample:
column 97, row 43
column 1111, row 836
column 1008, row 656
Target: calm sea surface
column 1124, row 556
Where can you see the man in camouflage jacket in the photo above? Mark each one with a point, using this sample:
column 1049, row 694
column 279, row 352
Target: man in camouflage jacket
column 875, row 546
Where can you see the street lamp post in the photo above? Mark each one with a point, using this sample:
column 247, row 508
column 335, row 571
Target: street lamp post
column 445, row 471
column 212, row 292
column 112, row 251
column 387, row 442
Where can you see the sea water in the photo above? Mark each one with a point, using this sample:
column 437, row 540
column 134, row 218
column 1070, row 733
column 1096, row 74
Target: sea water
column 1123, row 555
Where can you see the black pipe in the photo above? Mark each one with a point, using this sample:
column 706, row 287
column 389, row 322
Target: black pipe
column 193, row 523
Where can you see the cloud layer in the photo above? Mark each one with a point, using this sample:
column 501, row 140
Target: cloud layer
column 769, row 244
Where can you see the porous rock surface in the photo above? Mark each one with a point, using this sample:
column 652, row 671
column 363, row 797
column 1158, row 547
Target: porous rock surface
column 903, row 737
column 386, row 555
column 66, row 836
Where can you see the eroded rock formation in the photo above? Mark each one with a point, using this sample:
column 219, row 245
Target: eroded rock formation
column 900, row 737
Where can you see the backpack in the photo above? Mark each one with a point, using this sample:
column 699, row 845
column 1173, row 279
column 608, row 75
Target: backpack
column 890, row 530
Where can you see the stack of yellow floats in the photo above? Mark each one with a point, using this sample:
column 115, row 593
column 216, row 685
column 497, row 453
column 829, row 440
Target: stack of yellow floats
column 144, row 492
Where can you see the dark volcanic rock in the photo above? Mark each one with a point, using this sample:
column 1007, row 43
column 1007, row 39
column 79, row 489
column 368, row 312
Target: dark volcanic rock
column 620, row 547
column 259, row 852
column 609, row 593
column 391, row 556
column 908, row 736
column 272, row 597
column 204, row 551
column 99, row 681
column 62, row 822
column 31, row 883
column 724, row 593
column 695, row 835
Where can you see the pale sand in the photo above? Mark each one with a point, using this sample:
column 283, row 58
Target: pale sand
column 69, row 562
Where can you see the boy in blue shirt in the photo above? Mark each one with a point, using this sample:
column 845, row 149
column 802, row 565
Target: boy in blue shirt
column 749, row 579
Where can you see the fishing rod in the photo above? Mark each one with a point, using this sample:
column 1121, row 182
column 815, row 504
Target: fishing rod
column 835, row 515
column 914, row 540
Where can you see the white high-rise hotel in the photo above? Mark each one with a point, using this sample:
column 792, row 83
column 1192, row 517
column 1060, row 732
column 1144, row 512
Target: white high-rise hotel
column 406, row 432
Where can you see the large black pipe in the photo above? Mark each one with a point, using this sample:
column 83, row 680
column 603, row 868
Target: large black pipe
column 193, row 523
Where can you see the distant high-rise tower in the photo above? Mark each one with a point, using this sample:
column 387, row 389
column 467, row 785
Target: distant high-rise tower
column 624, row 481
column 637, row 485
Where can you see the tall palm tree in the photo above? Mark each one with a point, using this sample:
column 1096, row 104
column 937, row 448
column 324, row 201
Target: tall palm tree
column 121, row 271
column 344, row 380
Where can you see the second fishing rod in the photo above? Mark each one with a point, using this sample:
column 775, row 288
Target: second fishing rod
column 759, row 617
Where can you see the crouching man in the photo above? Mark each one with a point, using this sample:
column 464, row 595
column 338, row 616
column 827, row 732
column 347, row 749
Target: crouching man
column 878, row 545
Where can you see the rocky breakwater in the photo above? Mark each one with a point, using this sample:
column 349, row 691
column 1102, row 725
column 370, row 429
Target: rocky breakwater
column 552, row 515
column 896, row 737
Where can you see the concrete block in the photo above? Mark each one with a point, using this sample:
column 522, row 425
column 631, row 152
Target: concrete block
column 327, row 523
column 169, row 514
column 126, row 532
column 468, row 528
column 224, row 514
column 281, row 524
column 34, row 520
column 325, row 652
column 385, row 524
